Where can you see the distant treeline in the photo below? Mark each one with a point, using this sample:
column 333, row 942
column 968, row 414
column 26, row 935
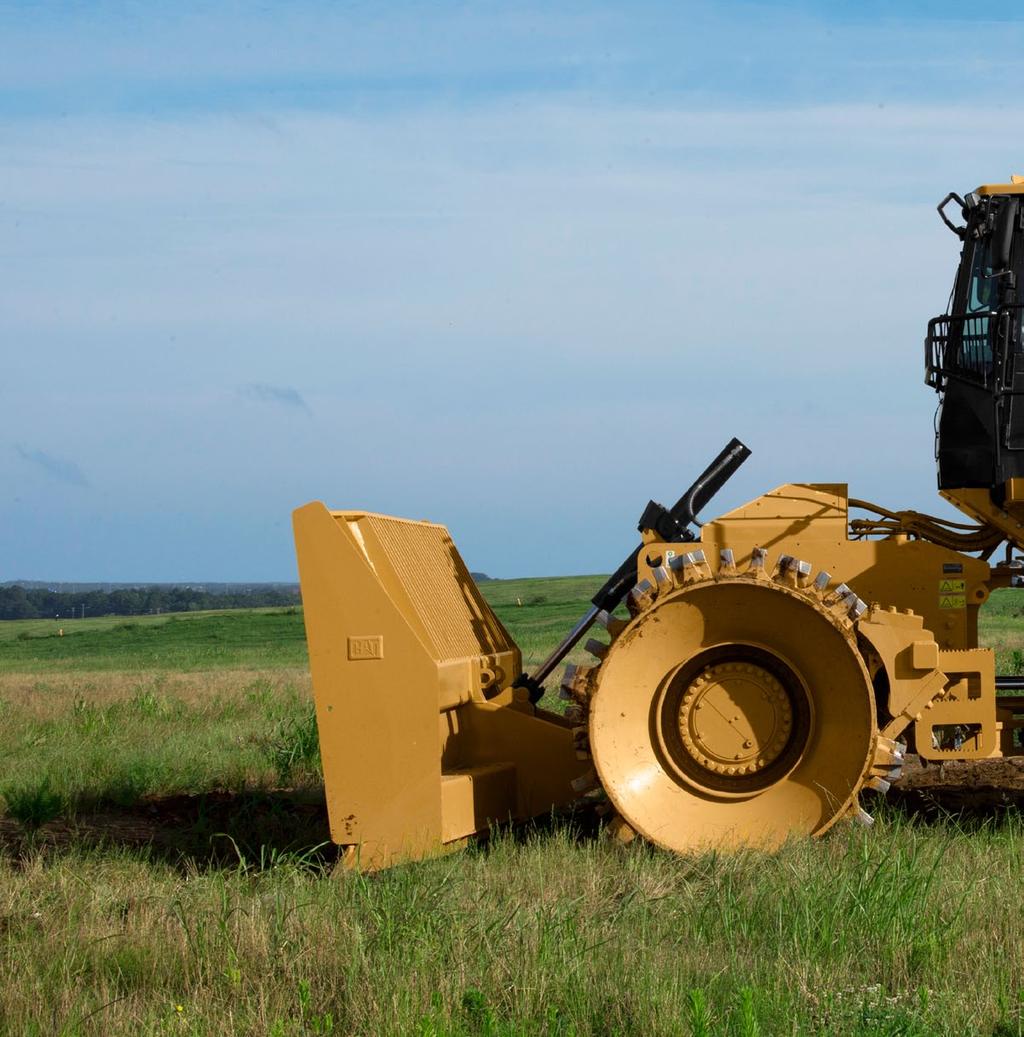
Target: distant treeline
column 17, row 602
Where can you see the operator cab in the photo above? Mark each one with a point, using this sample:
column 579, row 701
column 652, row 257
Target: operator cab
column 973, row 353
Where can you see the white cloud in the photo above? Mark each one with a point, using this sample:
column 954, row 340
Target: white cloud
column 533, row 302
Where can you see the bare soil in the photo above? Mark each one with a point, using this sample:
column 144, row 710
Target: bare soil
column 216, row 829
column 960, row 786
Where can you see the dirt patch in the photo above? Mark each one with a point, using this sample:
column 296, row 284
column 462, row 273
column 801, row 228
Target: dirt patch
column 216, row 829
column 221, row 829
column 960, row 785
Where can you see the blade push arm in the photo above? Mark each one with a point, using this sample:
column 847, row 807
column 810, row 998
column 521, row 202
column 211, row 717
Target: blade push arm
column 671, row 525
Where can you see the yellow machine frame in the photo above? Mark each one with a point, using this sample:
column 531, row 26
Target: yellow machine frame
column 424, row 741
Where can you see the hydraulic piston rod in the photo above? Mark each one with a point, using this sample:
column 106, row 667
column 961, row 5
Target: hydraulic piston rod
column 672, row 525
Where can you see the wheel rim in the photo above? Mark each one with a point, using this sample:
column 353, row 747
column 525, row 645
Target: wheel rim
column 767, row 665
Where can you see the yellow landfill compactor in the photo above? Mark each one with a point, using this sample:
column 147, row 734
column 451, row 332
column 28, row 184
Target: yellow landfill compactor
column 757, row 672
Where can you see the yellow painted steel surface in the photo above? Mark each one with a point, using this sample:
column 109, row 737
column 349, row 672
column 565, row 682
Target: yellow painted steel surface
column 1015, row 186
column 1007, row 517
column 423, row 740
column 942, row 588
column 733, row 711
column 811, row 522
column 752, row 694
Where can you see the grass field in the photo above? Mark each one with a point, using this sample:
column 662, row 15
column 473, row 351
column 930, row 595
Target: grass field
column 163, row 869
column 184, row 642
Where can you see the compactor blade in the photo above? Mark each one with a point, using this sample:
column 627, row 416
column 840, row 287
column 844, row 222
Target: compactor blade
column 423, row 738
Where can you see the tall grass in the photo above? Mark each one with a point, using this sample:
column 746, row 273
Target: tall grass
column 294, row 748
column 901, row 930
column 905, row 929
column 155, row 738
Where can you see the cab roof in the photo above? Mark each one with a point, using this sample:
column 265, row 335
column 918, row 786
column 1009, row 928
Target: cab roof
column 1015, row 186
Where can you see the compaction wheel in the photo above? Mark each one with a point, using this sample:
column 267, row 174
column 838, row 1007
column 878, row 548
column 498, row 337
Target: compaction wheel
column 733, row 709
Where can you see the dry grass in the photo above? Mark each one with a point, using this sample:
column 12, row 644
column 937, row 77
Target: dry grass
column 48, row 696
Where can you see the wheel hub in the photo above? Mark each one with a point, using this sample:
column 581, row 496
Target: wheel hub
column 735, row 718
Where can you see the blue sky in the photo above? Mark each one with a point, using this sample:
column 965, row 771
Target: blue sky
column 515, row 268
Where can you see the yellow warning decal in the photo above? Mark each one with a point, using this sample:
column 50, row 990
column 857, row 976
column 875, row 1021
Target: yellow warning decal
column 952, row 586
column 952, row 601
